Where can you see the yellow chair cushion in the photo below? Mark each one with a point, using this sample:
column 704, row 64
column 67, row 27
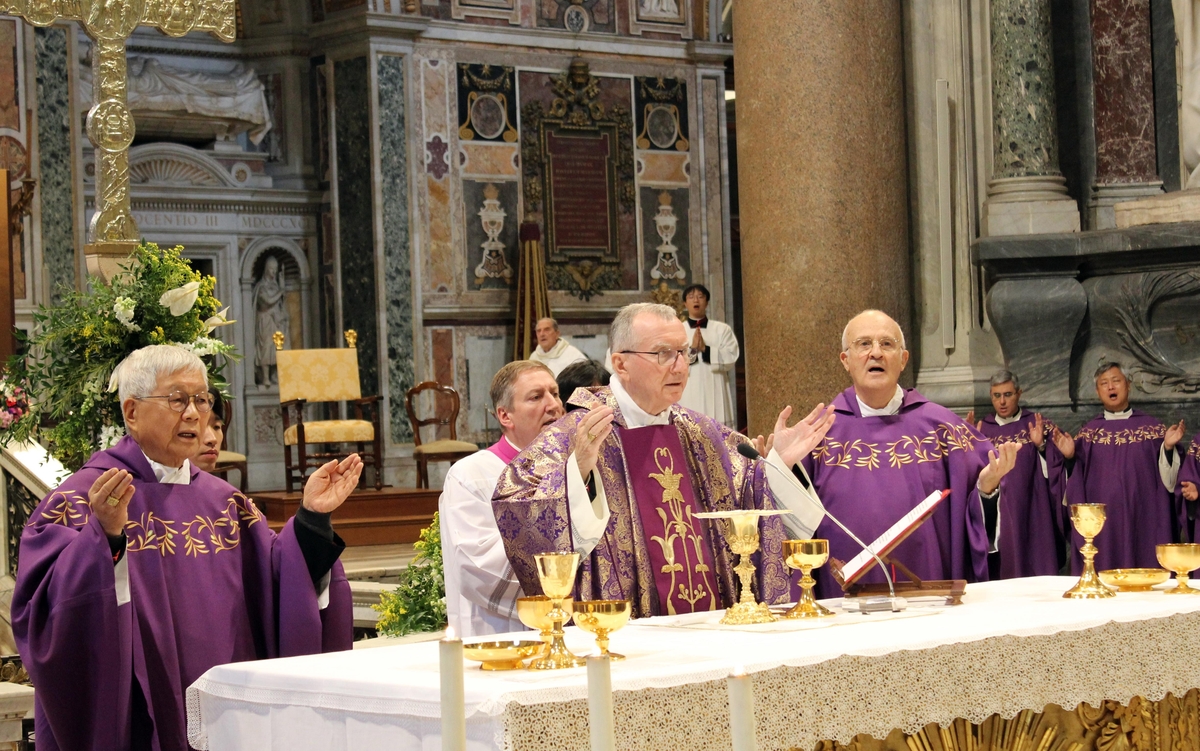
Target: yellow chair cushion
column 332, row 431
column 318, row 375
column 445, row 446
column 230, row 457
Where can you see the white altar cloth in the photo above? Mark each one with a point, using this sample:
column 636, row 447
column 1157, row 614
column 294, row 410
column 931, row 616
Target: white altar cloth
column 1012, row 645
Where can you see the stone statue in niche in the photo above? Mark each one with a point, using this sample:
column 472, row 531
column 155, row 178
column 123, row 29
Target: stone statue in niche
column 270, row 315
column 659, row 9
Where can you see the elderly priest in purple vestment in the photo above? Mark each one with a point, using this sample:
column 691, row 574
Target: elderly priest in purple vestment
column 1126, row 459
column 621, row 479
column 1031, row 516
column 140, row 572
column 889, row 449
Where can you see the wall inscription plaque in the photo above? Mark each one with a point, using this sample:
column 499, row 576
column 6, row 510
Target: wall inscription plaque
column 580, row 200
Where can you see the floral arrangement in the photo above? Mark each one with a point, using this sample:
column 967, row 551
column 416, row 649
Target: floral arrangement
column 419, row 603
column 72, row 406
column 14, row 404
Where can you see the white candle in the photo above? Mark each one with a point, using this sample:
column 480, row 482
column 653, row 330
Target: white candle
column 600, row 703
column 454, row 718
column 741, row 710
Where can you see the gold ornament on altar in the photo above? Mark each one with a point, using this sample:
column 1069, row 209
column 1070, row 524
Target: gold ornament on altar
column 556, row 572
column 741, row 533
column 1134, row 579
column 1088, row 519
column 806, row 555
column 113, row 233
column 602, row 617
column 501, row 655
column 1182, row 558
column 534, row 612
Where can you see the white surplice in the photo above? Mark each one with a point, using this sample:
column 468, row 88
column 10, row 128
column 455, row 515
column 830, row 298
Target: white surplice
column 481, row 588
column 562, row 354
column 710, row 384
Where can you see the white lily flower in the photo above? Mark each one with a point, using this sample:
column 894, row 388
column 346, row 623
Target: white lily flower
column 181, row 299
column 218, row 320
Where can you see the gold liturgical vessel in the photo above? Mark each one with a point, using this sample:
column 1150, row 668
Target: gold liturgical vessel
column 534, row 612
column 806, row 555
column 1182, row 558
column 501, row 655
column 602, row 617
column 742, row 535
column 556, row 571
column 1088, row 519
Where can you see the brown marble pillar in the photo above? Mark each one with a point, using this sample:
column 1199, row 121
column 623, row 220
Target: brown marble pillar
column 822, row 183
column 1123, row 85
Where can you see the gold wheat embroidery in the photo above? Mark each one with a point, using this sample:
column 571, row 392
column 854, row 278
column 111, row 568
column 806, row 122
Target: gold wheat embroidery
column 678, row 528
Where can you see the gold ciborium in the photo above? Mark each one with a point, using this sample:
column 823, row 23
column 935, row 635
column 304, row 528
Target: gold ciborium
column 602, row 617
column 1088, row 519
column 742, row 535
column 1182, row 558
column 806, row 555
column 534, row 612
column 556, row 571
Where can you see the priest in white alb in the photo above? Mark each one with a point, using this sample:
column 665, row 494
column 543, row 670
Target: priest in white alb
column 481, row 589
column 553, row 350
column 711, row 380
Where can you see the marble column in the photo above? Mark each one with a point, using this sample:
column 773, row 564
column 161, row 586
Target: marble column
column 822, row 182
column 54, row 158
column 1027, row 194
column 1123, row 86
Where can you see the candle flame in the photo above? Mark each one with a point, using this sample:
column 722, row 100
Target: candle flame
column 450, row 635
column 738, row 671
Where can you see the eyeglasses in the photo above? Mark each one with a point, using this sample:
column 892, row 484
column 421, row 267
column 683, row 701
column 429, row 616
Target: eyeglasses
column 864, row 345
column 179, row 401
column 667, row 356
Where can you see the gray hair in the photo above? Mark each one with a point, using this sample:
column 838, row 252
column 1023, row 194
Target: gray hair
column 1004, row 376
column 138, row 373
column 553, row 322
column 620, row 336
column 1109, row 365
column 846, row 330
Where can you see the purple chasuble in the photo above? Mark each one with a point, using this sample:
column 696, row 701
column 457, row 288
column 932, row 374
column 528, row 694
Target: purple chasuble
column 1189, row 472
column 210, row 584
column 1116, row 463
column 1031, row 508
column 871, row 471
column 533, row 516
column 680, row 557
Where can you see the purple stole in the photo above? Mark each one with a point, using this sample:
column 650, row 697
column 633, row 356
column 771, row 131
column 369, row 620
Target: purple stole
column 680, row 555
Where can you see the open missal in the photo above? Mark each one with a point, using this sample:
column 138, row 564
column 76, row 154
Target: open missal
column 889, row 540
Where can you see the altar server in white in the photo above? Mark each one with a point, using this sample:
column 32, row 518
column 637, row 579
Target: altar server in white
column 481, row 589
column 553, row 351
column 711, row 380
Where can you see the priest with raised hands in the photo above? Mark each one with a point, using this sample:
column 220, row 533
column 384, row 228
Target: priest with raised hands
column 141, row 572
column 621, row 479
column 1031, row 514
column 1126, row 459
column 891, row 448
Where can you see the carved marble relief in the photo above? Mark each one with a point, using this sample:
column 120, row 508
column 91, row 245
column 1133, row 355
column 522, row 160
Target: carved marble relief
column 661, row 107
column 670, row 16
column 487, row 103
column 665, row 236
column 491, row 232
column 274, row 144
column 576, row 16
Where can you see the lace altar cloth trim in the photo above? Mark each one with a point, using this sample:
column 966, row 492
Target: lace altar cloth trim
column 1015, row 645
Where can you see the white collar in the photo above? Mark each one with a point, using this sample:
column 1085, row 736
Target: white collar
column 635, row 416
column 890, row 408
column 171, row 475
column 1118, row 415
column 556, row 350
column 510, row 443
column 1006, row 420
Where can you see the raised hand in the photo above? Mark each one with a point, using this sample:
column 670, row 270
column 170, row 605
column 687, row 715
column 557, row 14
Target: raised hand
column 1174, row 435
column 1000, row 463
column 109, row 497
column 798, row 441
column 698, row 340
column 1189, row 491
column 332, row 484
column 763, row 445
column 1065, row 443
column 1037, row 431
column 592, row 431
column 971, row 418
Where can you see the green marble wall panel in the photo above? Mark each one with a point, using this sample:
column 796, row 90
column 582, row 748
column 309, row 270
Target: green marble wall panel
column 54, row 158
column 1024, row 131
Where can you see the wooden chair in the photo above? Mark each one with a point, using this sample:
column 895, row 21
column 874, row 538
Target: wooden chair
column 230, row 461
column 325, row 375
column 445, row 450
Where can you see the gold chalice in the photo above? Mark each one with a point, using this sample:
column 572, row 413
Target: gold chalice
column 501, row 655
column 742, row 536
column 534, row 612
column 1088, row 519
column 806, row 555
column 602, row 617
column 556, row 571
column 1182, row 558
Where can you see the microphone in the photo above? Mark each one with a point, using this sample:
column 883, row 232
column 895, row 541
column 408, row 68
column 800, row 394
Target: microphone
column 895, row 604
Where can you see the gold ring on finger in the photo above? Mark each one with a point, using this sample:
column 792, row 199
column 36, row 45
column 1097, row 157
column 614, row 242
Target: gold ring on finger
column 113, row 500
column 591, row 437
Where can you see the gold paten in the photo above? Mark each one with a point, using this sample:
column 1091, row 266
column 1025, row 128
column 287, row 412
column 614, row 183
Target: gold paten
column 806, row 555
column 556, row 571
column 501, row 655
column 602, row 617
column 1088, row 519
column 1134, row 579
column 742, row 536
column 1182, row 558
